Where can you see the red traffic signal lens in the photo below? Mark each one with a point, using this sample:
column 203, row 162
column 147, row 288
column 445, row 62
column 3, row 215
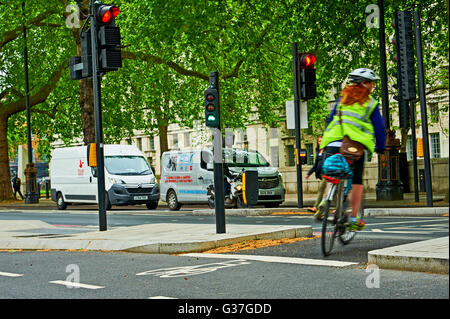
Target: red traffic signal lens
column 115, row 11
column 106, row 17
column 210, row 97
column 310, row 60
column 307, row 60
column 107, row 13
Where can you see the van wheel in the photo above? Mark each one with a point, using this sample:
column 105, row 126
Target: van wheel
column 152, row 205
column 172, row 201
column 60, row 203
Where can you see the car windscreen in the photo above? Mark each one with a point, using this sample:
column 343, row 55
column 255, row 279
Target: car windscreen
column 244, row 158
column 127, row 165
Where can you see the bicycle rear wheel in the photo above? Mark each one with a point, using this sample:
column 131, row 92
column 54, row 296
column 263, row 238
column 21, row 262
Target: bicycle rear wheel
column 329, row 229
column 347, row 235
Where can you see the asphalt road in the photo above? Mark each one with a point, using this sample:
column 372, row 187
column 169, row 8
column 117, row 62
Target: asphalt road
column 194, row 279
column 381, row 232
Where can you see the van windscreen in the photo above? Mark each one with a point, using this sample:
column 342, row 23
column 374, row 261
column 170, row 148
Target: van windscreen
column 244, row 158
column 127, row 165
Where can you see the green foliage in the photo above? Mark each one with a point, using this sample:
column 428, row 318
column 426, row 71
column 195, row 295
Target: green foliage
column 171, row 46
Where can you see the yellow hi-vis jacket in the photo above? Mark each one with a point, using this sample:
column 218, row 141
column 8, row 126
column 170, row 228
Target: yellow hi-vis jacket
column 356, row 124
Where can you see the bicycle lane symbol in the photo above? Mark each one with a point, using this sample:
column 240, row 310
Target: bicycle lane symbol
column 181, row 271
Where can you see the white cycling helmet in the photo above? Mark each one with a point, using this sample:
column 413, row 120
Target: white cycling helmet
column 363, row 74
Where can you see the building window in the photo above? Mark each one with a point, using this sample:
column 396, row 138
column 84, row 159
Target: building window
column 187, row 139
column 434, row 112
column 152, row 142
column 273, row 132
column 409, row 148
column 291, row 155
column 435, row 144
column 139, row 143
column 175, row 140
column 274, row 156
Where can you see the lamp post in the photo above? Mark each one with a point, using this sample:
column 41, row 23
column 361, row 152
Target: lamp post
column 32, row 193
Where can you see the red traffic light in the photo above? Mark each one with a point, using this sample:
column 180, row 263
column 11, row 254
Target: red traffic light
column 107, row 13
column 307, row 60
column 210, row 97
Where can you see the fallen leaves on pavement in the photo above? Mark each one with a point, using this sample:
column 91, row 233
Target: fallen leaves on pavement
column 253, row 244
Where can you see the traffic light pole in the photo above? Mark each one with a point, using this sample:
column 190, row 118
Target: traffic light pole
column 98, row 124
column 218, row 162
column 297, row 125
column 383, row 68
column 423, row 109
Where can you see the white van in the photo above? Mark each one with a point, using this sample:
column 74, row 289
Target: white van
column 185, row 175
column 129, row 179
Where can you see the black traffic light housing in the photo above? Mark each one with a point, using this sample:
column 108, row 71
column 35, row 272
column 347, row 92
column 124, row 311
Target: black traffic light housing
column 212, row 108
column 404, row 45
column 107, row 35
column 307, row 76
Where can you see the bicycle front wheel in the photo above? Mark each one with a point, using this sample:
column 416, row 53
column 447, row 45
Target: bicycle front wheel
column 329, row 230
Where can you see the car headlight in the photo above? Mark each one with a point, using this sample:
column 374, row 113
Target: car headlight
column 116, row 181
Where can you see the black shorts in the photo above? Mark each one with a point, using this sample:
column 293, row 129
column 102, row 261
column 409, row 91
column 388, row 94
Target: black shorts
column 357, row 167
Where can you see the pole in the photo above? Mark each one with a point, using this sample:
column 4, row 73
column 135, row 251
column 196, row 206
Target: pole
column 412, row 109
column 31, row 195
column 98, row 125
column 297, row 125
column 218, row 163
column 423, row 109
column 383, row 69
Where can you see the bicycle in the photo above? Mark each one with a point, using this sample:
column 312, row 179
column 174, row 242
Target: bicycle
column 336, row 225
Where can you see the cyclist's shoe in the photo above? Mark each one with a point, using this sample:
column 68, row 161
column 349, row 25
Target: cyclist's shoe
column 358, row 225
column 319, row 212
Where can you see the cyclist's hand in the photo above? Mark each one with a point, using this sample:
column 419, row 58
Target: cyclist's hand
column 306, row 176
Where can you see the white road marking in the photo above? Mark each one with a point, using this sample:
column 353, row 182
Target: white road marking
column 75, row 284
column 276, row 259
column 192, row 270
column 9, row 274
column 161, row 297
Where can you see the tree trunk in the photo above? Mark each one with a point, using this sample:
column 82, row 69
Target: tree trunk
column 163, row 143
column 5, row 179
column 87, row 110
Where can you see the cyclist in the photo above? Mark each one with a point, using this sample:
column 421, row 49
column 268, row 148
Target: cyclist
column 361, row 122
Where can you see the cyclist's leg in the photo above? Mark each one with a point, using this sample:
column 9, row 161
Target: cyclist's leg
column 357, row 192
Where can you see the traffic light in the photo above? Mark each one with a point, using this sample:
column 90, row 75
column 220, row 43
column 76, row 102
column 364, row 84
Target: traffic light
column 403, row 41
column 108, row 37
column 307, row 76
column 212, row 109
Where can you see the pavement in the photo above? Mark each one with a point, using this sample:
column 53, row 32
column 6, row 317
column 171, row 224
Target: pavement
column 428, row 256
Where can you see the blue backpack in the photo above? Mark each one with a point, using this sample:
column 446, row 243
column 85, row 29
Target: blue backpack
column 336, row 165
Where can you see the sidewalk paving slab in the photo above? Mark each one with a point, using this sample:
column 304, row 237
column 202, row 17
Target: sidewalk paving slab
column 425, row 256
column 149, row 238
